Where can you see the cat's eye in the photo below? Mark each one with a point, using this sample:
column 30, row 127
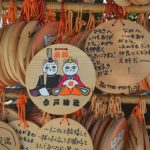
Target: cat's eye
column 47, row 67
column 74, row 67
column 53, row 67
column 67, row 67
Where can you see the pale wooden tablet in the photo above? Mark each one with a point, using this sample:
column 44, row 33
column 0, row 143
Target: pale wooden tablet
column 44, row 37
column 82, row 40
column 62, row 84
column 6, row 65
column 119, row 51
column 27, row 33
column 5, row 78
column 122, row 2
column 11, row 115
column 140, row 2
column 62, row 135
column 26, row 135
column 76, row 38
column 8, row 137
column 12, row 63
column 128, row 89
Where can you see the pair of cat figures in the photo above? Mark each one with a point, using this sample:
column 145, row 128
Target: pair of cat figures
column 68, row 84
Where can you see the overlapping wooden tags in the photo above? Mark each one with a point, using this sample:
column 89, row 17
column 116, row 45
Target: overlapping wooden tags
column 120, row 53
column 54, row 135
column 122, row 2
column 60, row 79
column 8, row 138
column 27, row 136
column 140, row 2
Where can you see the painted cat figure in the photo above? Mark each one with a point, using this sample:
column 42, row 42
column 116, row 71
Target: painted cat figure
column 70, row 83
column 44, row 88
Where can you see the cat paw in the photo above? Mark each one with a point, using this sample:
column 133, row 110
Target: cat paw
column 44, row 92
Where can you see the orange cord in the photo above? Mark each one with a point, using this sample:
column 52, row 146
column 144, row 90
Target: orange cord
column 11, row 15
column 65, row 119
column 137, row 113
column 50, row 16
column 21, row 104
column 40, row 10
column 62, row 24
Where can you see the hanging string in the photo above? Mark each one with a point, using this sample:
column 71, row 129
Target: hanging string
column 91, row 22
column 21, row 105
column 10, row 16
column 79, row 22
column 65, row 119
column 40, row 10
column 50, row 16
column 62, row 24
column 112, row 10
column 140, row 110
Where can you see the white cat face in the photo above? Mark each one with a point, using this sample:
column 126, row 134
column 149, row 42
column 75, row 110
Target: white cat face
column 70, row 68
column 50, row 68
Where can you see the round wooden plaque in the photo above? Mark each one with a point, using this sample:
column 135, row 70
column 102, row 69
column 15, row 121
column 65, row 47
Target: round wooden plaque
column 140, row 2
column 128, row 89
column 28, row 32
column 13, row 63
column 28, row 135
column 101, row 131
column 44, row 37
column 136, row 139
column 76, row 38
column 5, row 78
column 146, row 137
column 120, row 53
column 8, row 138
column 116, row 136
column 62, row 136
column 82, row 40
column 122, row 2
column 59, row 83
column 11, row 115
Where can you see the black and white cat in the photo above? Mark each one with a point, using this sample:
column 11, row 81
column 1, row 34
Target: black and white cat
column 43, row 88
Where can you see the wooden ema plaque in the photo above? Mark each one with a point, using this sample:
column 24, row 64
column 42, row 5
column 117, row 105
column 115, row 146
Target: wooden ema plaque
column 122, row 2
column 8, row 115
column 136, row 139
column 120, row 53
column 140, row 2
column 115, row 137
column 25, row 38
column 56, row 135
column 60, row 79
column 8, row 138
column 125, row 89
column 12, row 52
column 5, row 78
column 44, row 37
column 27, row 136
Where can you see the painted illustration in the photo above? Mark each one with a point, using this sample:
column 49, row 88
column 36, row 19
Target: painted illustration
column 70, row 83
column 49, row 80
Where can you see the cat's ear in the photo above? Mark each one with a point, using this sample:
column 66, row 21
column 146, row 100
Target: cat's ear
column 65, row 61
column 76, row 61
column 45, row 61
column 55, row 61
